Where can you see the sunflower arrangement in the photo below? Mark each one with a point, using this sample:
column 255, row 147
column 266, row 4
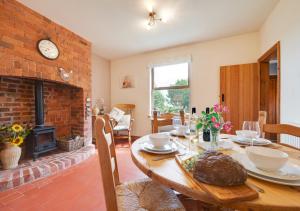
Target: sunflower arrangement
column 14, row 134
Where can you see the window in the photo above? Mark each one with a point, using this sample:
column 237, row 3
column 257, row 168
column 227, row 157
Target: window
column 170, row 88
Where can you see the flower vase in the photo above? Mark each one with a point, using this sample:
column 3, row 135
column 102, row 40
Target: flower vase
column 214, row 140
column 10, row 156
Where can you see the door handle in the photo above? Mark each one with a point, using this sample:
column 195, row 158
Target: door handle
column 223, row 98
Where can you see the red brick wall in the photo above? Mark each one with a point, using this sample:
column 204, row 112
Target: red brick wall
column 58, row 108
column 16, row 100
column 61, row 109
column 20, row 29
column 62, row 105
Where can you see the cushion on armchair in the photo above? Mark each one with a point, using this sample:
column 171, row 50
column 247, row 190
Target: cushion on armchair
column 116, row 114
column 124, row 123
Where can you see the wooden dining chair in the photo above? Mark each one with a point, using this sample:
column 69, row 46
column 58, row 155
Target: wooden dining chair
column 122, row 129
column 284, row 129
column 127, row 108
column 164, row 120
column 262, row 120
column 138, row 195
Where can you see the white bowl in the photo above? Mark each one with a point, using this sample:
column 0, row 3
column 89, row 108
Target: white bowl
column 248, row 134
column 266, row 158
column 159, row 139
column 239, row 133
column 181, row 129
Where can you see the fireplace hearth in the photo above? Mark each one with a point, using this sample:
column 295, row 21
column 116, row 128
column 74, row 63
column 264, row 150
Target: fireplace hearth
column 42, row 138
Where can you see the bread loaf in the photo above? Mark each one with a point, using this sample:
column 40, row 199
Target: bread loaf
column 216, row 168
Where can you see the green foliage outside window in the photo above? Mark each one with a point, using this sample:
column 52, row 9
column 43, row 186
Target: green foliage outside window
column 159, row 101
column 172, row 100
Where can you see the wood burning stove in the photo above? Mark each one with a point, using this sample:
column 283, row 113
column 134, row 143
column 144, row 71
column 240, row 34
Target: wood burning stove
column 42, row 138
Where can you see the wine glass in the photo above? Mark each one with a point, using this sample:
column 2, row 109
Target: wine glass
column 251, row 130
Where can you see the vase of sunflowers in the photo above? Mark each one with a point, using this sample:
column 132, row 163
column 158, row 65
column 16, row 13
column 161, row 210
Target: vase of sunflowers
column 12, row 136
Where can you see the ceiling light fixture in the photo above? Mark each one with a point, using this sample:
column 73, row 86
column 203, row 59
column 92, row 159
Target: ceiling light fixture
column 153, row 19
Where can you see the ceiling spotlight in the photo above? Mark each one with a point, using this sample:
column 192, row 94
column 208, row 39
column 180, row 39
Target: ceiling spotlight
column 153, row 19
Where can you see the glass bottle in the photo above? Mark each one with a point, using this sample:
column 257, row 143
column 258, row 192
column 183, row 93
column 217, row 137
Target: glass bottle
column 206, row 131
column 193, row 121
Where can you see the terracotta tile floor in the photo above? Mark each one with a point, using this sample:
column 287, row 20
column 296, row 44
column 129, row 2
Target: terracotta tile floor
column 78, row 188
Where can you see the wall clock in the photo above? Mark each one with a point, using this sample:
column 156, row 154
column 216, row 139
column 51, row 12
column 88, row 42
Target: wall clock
column 48, row 49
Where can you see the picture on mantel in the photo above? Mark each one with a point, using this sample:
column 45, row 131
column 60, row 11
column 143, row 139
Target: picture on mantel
column 127, row 82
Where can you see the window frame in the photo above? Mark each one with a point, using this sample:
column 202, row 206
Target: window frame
column 170, row 87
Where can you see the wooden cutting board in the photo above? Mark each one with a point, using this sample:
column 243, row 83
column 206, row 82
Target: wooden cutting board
column 223, row 195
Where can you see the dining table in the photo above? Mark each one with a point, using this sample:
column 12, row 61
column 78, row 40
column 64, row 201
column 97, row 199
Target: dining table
column 165, row 170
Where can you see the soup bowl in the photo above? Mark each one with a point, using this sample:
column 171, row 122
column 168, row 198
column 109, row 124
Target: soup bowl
column 246, row 134
column 159, row 139
column 267, row 159
column 181, row 130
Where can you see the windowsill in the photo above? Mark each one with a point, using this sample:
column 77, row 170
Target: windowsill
column 175, row 114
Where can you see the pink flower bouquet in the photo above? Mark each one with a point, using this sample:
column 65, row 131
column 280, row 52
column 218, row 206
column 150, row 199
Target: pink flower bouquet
column 214, row 120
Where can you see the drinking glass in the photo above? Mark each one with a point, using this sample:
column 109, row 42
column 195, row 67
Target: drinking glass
column 251, row 130
column 176, row 121
column 191, row 134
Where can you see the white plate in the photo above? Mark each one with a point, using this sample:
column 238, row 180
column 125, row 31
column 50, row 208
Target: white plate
column 244, row 141
column 289, row 172
column 226, row 136
column 165, row 148
column 175, row 133
column 277, row 181
column 147, row 148
column 223, row 145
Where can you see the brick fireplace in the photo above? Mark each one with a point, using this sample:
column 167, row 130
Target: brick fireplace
column 21, row 64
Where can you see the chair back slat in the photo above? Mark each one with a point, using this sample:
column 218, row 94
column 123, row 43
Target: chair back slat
column 164, row 120
column 262, row 120
column 127, row 108
column 282, row 129
column 107, row 160
column 182, row 117
column 112, row 148
column 113, row 164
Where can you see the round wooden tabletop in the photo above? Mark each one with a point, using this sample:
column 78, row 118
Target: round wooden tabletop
column 170, row 174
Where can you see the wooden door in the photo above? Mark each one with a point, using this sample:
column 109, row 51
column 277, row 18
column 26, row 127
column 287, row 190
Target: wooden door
column 268, row 96
column 272, row 98
column 272, row 109
column 267, row 86
column 264, row 86
column 229, row 93
column 239, row 90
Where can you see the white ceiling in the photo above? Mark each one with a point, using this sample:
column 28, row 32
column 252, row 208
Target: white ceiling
column 116, row 28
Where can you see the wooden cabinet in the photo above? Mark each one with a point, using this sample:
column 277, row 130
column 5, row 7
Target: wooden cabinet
column 239, row 90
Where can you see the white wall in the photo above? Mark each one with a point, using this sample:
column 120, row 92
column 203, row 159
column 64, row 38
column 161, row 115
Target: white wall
column 207, row 57
column 283, row 25
column 101, row 79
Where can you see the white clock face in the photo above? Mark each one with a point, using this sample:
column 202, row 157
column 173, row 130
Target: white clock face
column 48, row 49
